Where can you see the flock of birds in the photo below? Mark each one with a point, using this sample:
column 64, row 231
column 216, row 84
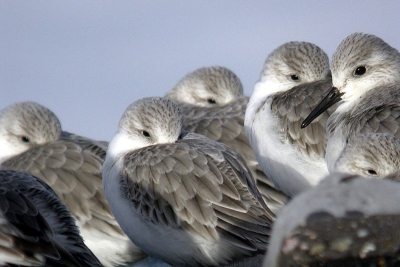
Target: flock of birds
column 205, row 176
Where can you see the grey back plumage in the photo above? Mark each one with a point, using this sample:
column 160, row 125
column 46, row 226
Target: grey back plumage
column 294, row 78
column 366, row 78
column 310, row 65
column 73, row 174
column 70, row 164
column 293, row 106
column 186, row 169
column 38, row 225
column 377, row 111
column 99, row 148
column 72, row 171
column 183, row 182
column 213, row 104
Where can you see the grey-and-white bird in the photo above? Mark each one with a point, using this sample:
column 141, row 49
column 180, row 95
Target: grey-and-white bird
column 36, row 228
column 366, row 78
column 214, row 106
column 181, row 197
column 294, row 79
column 346, row 220
column 31, row 140
column 372, row 155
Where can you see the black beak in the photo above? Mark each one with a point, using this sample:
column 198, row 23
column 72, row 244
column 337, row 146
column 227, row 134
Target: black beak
column 332, row 98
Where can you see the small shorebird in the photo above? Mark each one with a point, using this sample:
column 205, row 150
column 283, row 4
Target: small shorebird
column 213, row 105
column 32, row 140
column 366, row 81
column 294, row 79
column 182, row 197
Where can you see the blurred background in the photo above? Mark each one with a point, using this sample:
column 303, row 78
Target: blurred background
column 88, row 60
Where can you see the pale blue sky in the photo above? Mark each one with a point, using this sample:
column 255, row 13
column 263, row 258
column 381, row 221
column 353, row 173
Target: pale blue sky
column 88, row 60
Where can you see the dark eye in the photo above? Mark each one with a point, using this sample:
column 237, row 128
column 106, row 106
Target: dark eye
column 145, row 133
column 360, row 71
column 25, row 139
column 294, row 77
column 211, row 101
column 372, row 172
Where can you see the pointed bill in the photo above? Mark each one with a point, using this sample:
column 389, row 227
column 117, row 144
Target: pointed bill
column 332, row 98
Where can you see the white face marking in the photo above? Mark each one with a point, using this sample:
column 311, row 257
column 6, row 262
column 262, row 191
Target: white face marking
column 9, row 149
column 122, row 143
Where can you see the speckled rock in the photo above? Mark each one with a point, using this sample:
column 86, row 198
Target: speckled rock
column 345, row 221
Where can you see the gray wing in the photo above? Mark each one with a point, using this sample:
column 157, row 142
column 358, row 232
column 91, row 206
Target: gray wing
column 226, row 125
column 222, row 124
column 75, row 176
column 293, row 106
column 378, row 112
column 199, row 188
column 99, row 148
column 37, row 226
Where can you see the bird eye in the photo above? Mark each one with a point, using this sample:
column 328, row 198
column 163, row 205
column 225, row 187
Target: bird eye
column 360, row 71
column 372, row 172
column 211, row 101
column 25, row 139
column 294, row 77
column 145, row 133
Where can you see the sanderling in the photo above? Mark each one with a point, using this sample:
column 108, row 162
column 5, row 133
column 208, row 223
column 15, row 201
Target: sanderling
column 372, row 155
column 213, row 105
column 181, row 197
column 32, row 141
column 366, row 78
column 294, row 79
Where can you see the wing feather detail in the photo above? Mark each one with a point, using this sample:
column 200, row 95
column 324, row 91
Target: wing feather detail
column 196, row 186
column 226, row 125
column 72, row 172
column 293, row 106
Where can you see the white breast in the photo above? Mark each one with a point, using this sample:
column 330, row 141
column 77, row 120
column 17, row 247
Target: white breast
column 289, row 169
